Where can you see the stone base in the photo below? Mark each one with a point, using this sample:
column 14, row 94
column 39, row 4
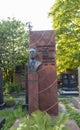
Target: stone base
column 76, row 102
column 70, row 89
column 62, row 108
column 15, row 125
column 2, row 121
column 71, row 125
column 63, row 92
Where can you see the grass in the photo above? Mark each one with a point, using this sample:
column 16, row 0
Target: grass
column 11, row 115
column 39, row 120
column 17, row 113
column 73, row 113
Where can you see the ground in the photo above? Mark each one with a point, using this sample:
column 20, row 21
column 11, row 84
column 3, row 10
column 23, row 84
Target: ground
column 65, row 106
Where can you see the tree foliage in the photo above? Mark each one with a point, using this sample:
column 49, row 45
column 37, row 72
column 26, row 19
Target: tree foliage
column 65, row 16
column 13, row 45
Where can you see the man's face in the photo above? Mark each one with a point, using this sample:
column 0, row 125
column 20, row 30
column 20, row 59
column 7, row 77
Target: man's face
column 32, row 54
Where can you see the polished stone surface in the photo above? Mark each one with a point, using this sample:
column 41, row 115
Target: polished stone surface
column 44, row 43
column 48, row 90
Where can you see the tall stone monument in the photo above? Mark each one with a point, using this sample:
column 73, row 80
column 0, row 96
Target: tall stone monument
column 42, row 83
column 69, row 84
column 76, row 100
column 1, row 90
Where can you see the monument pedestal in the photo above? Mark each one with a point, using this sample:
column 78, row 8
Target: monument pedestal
column 33, row 92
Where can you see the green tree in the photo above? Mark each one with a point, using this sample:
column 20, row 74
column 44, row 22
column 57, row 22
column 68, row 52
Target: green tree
column 65, row 16
column 13, row 46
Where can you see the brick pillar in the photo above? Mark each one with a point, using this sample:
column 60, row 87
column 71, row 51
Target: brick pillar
column 33, row 92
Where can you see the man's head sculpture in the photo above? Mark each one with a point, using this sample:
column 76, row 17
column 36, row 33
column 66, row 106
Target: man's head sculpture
column 32, row 53
column 33, row 62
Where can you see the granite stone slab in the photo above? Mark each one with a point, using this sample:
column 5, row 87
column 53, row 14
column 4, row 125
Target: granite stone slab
column 45, row 90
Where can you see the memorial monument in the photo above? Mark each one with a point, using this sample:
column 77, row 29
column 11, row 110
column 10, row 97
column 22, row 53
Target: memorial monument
column 1, row 90
column 2, row 104
column 69, row 84
column 41, row 77
column 76, row 100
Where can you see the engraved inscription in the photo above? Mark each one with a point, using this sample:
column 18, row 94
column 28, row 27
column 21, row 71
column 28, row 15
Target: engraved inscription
column 47, row 52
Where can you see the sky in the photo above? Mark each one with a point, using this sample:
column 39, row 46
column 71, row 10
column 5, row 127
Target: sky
column 34, row 11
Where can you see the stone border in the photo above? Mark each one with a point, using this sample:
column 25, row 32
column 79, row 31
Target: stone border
column 71, row 125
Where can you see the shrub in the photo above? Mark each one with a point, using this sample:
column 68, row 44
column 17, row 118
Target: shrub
column 11, row 115
column 10, row 103
column 42, row 121
column 12, row 87
column 73, row 114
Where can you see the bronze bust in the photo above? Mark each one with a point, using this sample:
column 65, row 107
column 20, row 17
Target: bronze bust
column 33, row 63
